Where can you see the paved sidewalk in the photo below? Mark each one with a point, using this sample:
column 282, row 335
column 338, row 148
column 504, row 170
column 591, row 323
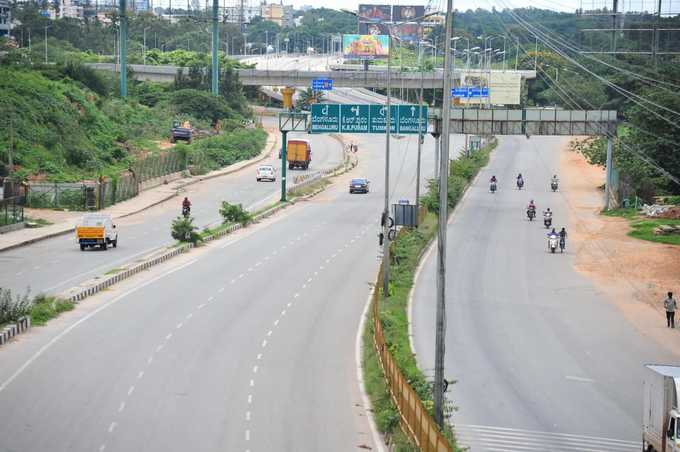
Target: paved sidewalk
column 145, row 200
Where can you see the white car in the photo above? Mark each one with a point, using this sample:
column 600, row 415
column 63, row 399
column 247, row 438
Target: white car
column 266, row 172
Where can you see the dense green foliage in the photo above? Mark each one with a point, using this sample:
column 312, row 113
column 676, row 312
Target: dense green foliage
column 223, row 150
column 235, row 213
column 65, row 122
column 184, row 230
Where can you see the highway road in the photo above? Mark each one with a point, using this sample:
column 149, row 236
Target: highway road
column 542, row 361
column 246, row 344
column 57, row 264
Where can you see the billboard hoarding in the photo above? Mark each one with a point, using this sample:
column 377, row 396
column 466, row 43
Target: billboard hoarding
column 375, row 12
column 368, row 28
column 404, row 13
column 504, row 88
column 365, row 47
column 409, row 32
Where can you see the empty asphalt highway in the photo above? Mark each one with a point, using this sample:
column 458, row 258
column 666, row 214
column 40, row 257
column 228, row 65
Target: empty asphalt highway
column 542, row 361
column 247, row 344
column 57, row 264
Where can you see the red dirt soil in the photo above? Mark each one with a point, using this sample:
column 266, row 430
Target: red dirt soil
column 633, row 274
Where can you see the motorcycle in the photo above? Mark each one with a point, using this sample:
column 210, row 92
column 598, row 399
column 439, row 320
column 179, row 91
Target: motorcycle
column 562, row 245
column 552, row 243
column 553, row 186
column 492, row 187
column 547, row 220
column 531, row 213
column 186, row 210
column 520, row 184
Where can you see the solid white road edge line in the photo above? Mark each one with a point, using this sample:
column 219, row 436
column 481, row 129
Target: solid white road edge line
column 54, row 340
column 377, row 437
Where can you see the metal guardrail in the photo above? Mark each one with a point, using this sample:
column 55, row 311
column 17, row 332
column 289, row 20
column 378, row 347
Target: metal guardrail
column 415, row 419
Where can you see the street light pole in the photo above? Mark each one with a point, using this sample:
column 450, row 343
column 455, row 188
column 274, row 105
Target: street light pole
column 215, row 43
column 122, row 47
column 144, row 47
column 440, row 323
column 46, row 42
column 386, row 208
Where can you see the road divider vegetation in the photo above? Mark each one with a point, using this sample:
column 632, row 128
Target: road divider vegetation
column 406, row 253
column 19, row 312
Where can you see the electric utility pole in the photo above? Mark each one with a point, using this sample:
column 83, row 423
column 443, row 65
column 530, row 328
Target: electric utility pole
column 441, row 233
column 215, row 44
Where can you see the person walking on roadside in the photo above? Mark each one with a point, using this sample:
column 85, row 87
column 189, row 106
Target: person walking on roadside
column 671, row 306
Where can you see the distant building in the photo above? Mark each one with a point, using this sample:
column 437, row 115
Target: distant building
column 142, row 6
column 278, row 13
column 232, row 14
column 5, row 19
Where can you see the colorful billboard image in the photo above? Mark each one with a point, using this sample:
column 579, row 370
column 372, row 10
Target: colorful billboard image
column 367, row 28
column 375, row 12
column 409, row 32
column 406, row 13
column 366, row 47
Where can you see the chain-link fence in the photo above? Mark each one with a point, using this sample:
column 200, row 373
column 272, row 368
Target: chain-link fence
column 11, row 211
column 57, row 195
column 158, row 165
column 104, row 192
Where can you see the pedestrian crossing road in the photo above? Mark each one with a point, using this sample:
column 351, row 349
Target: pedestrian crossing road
column 482, row 438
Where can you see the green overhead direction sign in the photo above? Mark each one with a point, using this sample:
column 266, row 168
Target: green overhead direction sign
column 358, row 118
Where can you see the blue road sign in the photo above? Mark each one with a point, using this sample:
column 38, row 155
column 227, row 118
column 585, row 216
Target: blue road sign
column 469, row 92
column 322, row 84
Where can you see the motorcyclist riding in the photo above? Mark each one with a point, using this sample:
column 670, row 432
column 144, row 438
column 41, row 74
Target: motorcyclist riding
column 531, row 205
column 493, row 179
column 554, row 182
column 186, row 206
column 552, row 233
column 563, row 238
column 520, row 181
column 547, row 213
column 493, row 184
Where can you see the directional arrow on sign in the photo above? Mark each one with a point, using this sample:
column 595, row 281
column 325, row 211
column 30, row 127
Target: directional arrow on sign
column 413, row 111
column 355, row 110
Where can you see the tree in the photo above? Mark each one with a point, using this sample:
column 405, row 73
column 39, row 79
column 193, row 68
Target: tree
column 309, row 97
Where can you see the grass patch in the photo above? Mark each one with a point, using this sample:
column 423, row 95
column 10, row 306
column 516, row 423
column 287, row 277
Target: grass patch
column 46, row 308
column 216, row 230
column 406, row 252
column 309, row 189
column 629, row 213
column 643, row 227
column 644, row 230
column 113, row 271
column 37, row 222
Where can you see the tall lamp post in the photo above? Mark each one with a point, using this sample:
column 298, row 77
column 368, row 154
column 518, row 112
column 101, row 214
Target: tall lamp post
column 48, row 26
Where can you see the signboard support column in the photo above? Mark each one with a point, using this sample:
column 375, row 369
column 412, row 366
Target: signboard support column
column 608, row 186
column 284, row 162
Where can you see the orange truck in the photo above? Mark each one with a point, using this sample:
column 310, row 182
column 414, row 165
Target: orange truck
column 299, row 154
column 96, row 229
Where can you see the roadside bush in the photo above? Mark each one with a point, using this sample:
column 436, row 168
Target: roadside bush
column 200, row 104
column 184, row 230
column 87, row 76
column 13, row 308
column 46, row 308
column 235, row 213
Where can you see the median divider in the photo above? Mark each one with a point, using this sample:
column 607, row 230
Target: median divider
column 414, row 417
